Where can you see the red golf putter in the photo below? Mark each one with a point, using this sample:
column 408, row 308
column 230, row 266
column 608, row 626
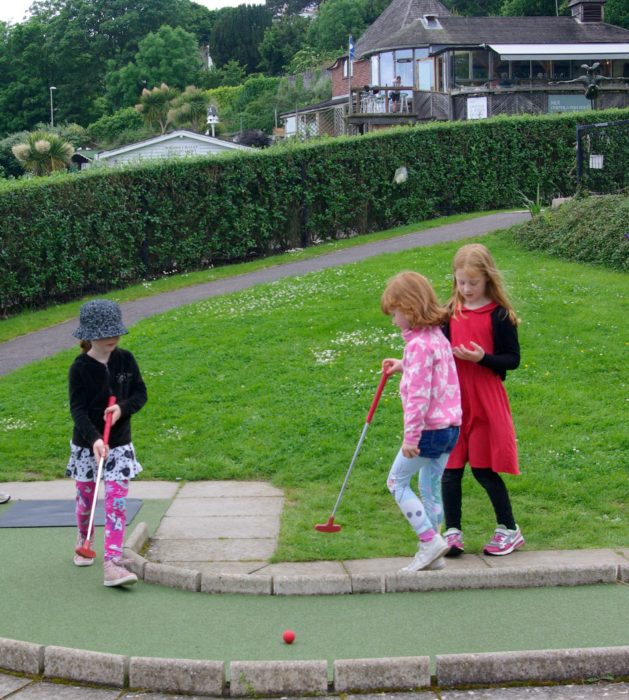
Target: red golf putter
column 331, row 526
column 85, row 550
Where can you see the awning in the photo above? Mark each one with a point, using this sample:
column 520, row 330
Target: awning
column 556, row 52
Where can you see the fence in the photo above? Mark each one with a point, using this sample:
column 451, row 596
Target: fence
column 603, row 156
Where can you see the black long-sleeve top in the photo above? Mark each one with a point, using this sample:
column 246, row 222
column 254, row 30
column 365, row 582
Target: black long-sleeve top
column 91, row 383
column 506, row 354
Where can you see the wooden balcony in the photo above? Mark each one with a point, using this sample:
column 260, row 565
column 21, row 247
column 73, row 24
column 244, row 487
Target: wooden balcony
column 375, row 107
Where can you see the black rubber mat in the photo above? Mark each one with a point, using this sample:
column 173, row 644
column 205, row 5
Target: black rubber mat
column 54, row 513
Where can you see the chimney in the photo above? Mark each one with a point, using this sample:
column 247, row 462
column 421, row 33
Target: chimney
column 587, row 10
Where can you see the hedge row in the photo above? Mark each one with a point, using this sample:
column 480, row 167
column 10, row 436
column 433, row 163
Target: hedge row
column 64, row 237
column 592, row 230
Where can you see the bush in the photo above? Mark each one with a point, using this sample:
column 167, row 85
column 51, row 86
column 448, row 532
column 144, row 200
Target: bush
column 590, row 230
column 89, row 232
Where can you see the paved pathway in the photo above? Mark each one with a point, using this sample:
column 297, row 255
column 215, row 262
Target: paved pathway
column 26, row 689
column 35, row 346
column 231, row 527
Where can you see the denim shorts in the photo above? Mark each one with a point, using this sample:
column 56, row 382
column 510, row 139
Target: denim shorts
column 435, row 442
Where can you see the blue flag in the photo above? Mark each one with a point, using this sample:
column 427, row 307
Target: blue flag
column 352, row 52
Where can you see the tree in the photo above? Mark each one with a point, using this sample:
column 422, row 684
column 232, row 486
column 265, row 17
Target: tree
column 617, row 12
column 237, row 34
column 189, row 110
column 281, row 42
column 154, row 106
column 73, row 44
column 107, row 129
column 337, row 19
column 43, row 153
column 167, row 56
column 530, row 8
column 474, row 8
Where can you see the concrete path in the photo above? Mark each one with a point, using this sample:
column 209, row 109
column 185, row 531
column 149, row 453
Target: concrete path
column 218, row 528
column 35, row 346
column 27, row 689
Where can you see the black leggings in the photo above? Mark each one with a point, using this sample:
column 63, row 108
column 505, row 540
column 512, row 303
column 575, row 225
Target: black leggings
column 492, row 483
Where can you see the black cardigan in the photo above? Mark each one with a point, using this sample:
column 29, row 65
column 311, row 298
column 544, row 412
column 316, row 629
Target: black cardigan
column 506, row 353
column 90, row 385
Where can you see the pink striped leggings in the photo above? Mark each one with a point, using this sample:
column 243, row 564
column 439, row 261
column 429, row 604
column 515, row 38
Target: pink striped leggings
column 115, row 513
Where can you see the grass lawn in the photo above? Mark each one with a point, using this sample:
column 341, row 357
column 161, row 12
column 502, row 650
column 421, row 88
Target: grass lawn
column 274, row 383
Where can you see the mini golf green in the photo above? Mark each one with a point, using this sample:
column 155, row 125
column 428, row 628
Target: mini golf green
column 45, row 599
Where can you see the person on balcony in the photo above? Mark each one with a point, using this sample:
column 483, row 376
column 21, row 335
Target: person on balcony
column 395, row 96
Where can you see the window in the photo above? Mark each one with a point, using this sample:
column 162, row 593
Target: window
column 375, row 69
column 462, row 66
column 480, row 66
column 404, row 66
column 561, row 70
column 387, row 71
column 521, row 70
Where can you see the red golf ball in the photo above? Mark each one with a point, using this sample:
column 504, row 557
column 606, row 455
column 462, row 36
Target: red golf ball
column 288, row 636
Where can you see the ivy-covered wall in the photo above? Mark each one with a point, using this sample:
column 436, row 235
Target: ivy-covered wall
column 64, row 237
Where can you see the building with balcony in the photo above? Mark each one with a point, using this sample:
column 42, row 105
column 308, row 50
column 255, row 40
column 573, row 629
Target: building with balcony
column 452, row 67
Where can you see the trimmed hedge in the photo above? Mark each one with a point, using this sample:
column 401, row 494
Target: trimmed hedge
column 67, row 236
column 590, row 230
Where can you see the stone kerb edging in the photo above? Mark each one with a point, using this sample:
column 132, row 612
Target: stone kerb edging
column 340, row 584
column 298, row 678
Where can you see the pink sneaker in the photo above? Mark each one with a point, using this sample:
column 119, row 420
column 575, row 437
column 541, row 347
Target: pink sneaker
column 116, row 575
column 78, row 559
column 504, row 541
column 454, row 540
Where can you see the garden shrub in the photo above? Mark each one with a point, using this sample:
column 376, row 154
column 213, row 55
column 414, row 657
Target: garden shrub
column 64, row 237
column 591, row 230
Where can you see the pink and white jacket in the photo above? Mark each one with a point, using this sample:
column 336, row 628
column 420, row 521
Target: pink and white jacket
column 429, row 387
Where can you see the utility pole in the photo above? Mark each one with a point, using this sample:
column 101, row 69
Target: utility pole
column 52, row 112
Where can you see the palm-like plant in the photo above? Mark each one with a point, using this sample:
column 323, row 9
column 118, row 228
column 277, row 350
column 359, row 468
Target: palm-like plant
column 43, row 153
column 154, row 106
column 190, row 109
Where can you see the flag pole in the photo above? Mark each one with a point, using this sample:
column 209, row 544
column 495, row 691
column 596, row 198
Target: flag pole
column 349, row 71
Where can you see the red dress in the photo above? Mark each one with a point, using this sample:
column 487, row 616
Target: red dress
column 487, row 437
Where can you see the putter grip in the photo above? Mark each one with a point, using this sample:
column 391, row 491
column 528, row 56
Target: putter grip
column 376, row 398
column 110, row 402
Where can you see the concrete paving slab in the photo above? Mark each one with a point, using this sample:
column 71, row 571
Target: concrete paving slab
column 228, row 505
column 567, row 557
column 221, row 489
column 235, row 527
column 9, row 684
column 357, row 567
column 312, row 569
column 222, row 567
column 62, row 489
column 205, row 550
column 593, row 691
column 57, row 691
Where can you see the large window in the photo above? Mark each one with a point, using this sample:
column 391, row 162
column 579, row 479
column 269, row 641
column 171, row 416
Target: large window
column 387, row 75
column 462, row 66
column 404, row 65
column 480, row 66
column 375, row 70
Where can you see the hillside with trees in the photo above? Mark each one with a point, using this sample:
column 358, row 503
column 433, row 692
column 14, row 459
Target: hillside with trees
column 85, row 65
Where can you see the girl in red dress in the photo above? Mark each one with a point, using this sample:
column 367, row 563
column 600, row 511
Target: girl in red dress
column 482, row 329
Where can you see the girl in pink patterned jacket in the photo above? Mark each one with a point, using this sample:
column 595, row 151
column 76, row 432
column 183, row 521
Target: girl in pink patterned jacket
column 431, row 401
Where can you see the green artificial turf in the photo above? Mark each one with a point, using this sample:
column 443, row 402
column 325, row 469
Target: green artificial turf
column 47, row 600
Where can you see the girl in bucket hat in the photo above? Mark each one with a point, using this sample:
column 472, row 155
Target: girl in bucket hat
column 100, row 371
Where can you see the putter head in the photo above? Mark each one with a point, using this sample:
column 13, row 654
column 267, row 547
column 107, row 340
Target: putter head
column 85, row 551
column 329, row 526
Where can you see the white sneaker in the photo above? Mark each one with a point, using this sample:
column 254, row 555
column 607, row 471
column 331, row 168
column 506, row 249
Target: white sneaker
column 5, row 497
column 427, row 553
column 437, row 565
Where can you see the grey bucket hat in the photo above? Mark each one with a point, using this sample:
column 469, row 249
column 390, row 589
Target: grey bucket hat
column 100, row 318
